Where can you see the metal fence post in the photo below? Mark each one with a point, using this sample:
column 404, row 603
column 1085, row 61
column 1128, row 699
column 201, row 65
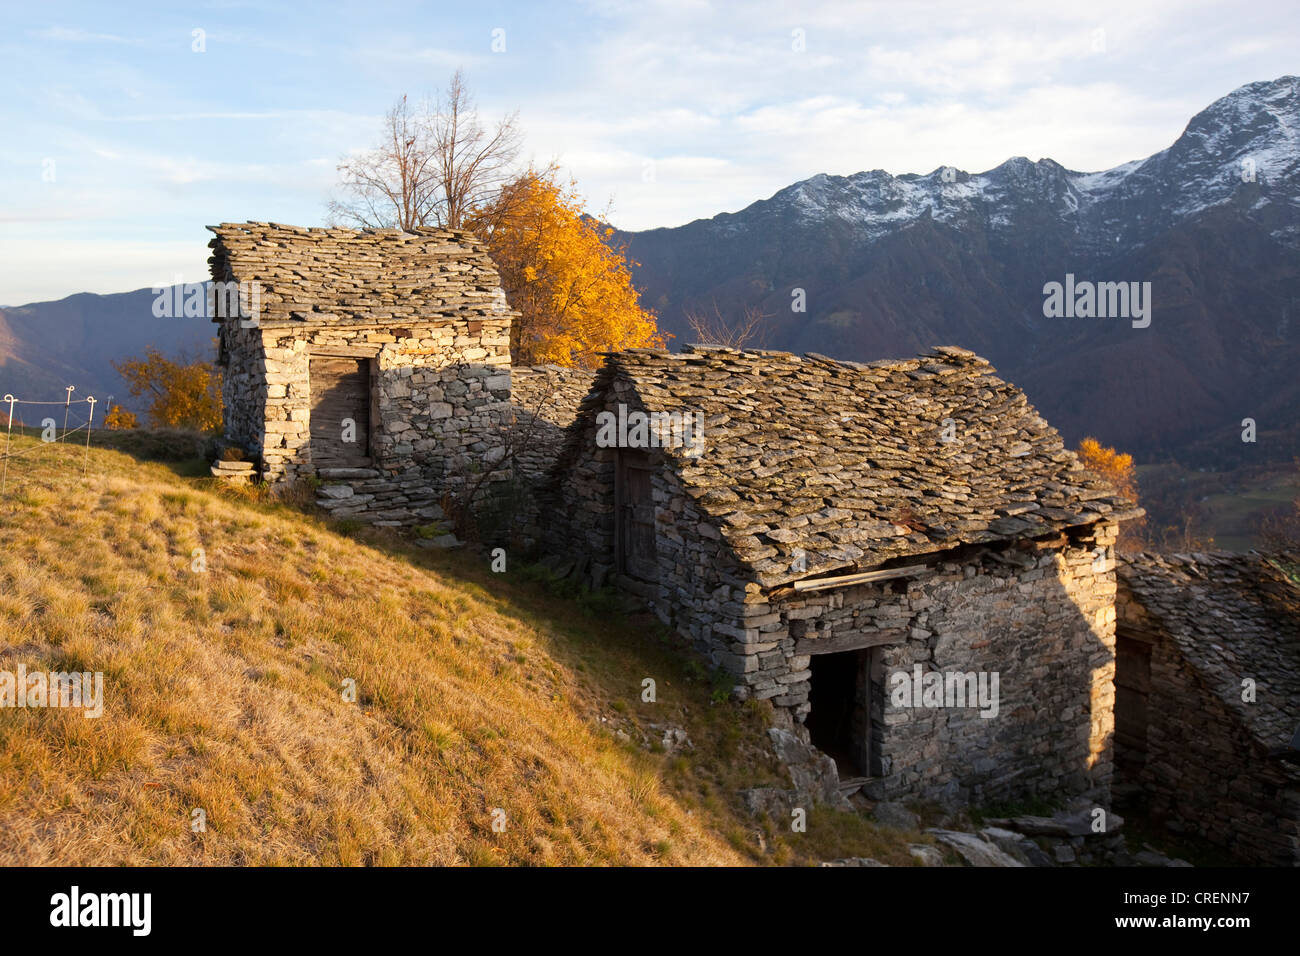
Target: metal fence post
column 4, row 477
column 89, row 422
column 67, row 406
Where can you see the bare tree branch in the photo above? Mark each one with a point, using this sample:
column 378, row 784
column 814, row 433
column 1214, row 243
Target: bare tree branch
column 435, row 163
column 713, row 329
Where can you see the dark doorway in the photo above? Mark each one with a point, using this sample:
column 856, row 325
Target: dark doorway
column 1132, row 690
column 340, row 411
column 635, row 518
column 839, row 722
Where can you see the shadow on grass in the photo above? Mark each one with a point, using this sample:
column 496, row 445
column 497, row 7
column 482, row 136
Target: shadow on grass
column 610, row 646
column 183, row 452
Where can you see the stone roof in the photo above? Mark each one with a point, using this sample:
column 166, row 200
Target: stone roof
column 1232, row 616
column 380, row 277
column 844, row 461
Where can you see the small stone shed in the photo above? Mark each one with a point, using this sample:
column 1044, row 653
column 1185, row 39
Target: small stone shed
column 378, row 360
column 1208, row 697
column 843, row 523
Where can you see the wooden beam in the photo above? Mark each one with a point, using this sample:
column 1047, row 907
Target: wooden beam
column 1043, row 544
column 343, row 351
column 843, row 580
column 849, row 642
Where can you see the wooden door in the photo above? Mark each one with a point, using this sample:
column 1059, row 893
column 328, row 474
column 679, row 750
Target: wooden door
column 340, row 392
column 1132, row 691
column 636, row 517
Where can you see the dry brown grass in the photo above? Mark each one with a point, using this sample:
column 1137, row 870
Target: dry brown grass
column 223, row 691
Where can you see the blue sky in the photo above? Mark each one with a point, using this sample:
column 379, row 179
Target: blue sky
column 122, row 142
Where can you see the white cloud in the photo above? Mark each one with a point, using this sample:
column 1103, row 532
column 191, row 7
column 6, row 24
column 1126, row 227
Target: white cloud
column 56, row 267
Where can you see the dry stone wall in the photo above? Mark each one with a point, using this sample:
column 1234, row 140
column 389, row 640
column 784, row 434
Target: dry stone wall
column 1042, row 621
column 545, row 400
column 1205, row 775
column 443, row 391
column 544, row 403
column 243, row 386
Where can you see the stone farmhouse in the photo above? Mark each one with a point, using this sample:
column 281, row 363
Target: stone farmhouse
column 1208, row 698
column 902, row 556
column 841, row 524
column 377, row 360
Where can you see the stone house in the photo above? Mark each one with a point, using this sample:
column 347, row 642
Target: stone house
column 1207, row 721
column 378, row 360
column 902, row 557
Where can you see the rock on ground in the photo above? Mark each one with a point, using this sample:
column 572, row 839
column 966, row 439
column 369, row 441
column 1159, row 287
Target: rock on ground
column 975, row 850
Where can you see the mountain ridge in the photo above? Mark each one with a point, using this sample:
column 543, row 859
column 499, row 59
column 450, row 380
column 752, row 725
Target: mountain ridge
column 891, row 265
column 46, row 346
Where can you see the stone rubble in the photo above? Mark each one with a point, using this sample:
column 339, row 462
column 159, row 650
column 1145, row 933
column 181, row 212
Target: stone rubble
column 976, row 850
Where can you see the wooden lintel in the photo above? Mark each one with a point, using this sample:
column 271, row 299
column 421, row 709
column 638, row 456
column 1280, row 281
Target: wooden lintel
column 1043, row 544
column 848, row 642
column 344, row 351
column 843, row 580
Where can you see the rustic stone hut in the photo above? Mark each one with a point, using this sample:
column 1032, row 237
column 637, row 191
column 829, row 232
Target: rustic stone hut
column 1208, row 697
column 839, row 537
column 378, row 360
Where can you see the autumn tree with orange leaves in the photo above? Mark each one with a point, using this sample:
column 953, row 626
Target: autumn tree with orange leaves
column 185, row 394
column 573, row 291
column 1117, row 468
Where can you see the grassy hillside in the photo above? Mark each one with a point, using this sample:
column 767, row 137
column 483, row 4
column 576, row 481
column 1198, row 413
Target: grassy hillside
column 223, row 691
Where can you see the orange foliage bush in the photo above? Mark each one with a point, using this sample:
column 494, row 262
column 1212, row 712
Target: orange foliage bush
column 118, row 417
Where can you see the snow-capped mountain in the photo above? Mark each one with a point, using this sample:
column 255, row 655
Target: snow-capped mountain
column 1250, row 137
column 891, row 265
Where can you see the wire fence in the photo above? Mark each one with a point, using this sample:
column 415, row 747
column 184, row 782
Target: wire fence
column 78, row 416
